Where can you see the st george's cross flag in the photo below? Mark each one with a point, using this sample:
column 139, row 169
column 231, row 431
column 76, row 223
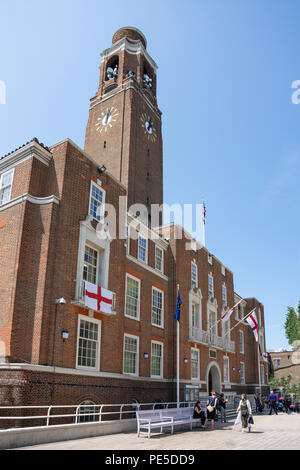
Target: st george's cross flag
column 97, row 298
column 265, row 357
column 252, row 320
column 229, row 312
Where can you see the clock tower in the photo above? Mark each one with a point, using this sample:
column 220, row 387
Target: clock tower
column 124, row 127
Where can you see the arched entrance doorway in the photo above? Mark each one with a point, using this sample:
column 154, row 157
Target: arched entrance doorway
column 213, row 378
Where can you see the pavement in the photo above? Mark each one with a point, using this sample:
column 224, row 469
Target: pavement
column 277, row 432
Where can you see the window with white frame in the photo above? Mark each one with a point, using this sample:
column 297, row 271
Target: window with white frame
column 242, row 347
column 6, row 180
column 159, row 259
column 157, row 307
column 224, row 296
column 131, row 354
column 132, row 303
column 226, row 369
column 127, row 239
column 156, row 359
column 212, row 324
column 262, row 375
column 236, row 312
column 88, row 343
column 241, row 311
column 195, row 315
column 90, row 265
column 142, row 249
column 210, row 286
column 242, row 372
column 97, row 202
column 194, row 274
column 195, row 364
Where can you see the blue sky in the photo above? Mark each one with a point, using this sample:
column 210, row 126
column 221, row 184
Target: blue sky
column 224, row 87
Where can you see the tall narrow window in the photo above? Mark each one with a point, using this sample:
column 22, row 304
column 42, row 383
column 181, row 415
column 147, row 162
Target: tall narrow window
column 132, row 308
column 97, row 201
column 5, row 186
column 224, row 296
column 131, row 356
column 195, row 364
column 90, row 265
column 159, row 259
column 236, row 312
column 156, row 359
column 157, row 307
column 88, row 344
column 142, row 249
column 242, row 372
column 242, row 349
column 210, row 286
column 194, row 274
column 226, row 369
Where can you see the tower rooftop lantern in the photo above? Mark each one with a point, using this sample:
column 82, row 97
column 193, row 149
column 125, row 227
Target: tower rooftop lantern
column 130, row 33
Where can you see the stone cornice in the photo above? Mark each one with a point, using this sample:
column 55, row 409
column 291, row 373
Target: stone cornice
column 33, row 199
column 132, row 47
column 32, row 149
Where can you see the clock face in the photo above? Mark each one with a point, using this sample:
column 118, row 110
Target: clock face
column 106, row 120
column 148, row 126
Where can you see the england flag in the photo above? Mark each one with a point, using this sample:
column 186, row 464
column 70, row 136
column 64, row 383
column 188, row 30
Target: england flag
column 97, row 298
column 252, row 320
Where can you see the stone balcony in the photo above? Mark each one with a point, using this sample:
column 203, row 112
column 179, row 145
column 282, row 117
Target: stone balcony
column 209, row 339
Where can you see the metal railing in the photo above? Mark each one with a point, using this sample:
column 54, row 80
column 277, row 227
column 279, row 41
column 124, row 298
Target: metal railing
column 211, row 339
column 95, row 413
column 92, row 413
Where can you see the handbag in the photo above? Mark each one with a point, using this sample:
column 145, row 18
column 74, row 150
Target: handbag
column 210, row 408
column 250, row 420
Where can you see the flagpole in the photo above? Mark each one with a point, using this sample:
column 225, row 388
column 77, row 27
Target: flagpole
column 203, row 223
column 259, row 375
column 243, row 319
column 220, row 319
column 178, row 363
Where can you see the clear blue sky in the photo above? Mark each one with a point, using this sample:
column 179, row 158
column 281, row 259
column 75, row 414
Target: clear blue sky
column 226, row 69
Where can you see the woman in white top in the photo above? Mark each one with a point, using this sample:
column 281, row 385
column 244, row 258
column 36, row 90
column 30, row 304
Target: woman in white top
column 244, row 412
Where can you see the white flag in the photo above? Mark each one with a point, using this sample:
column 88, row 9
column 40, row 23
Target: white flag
column 252, row 320
column 229, row 312
column 265, row 357
column 97, row 298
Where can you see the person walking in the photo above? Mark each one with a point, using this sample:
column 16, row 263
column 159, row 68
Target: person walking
column 200, row 414
column 222, row 403
column 273, row 401
column 244, row 412
column 211, row 409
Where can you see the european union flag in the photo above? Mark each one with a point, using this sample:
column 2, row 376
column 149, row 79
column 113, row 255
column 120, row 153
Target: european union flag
column 179, row 303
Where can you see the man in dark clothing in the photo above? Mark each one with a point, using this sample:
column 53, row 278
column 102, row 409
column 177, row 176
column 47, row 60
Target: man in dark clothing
column 272, row 402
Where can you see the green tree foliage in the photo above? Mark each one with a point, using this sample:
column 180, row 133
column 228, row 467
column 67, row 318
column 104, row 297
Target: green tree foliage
column 292, row 324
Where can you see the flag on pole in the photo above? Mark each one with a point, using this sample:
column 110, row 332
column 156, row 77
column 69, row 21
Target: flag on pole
column 265, row 357
column 204, row 212
column 229, row 312
column 178, row 305
column 252, row 320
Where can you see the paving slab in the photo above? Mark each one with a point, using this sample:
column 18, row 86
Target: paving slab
column 280, row 432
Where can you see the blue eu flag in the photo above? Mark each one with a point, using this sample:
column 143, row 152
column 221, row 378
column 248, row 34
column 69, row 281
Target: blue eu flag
column 179, row 303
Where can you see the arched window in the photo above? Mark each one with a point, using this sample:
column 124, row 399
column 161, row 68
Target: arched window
column 112, row 68
column 88, row 412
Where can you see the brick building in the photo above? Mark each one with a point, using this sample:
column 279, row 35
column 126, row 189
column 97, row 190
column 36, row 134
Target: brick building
column 286, row 363
column 54, row 237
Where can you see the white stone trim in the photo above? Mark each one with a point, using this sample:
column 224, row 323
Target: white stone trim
column 88, row 235
column 33, row 199
column 132, row 47
column 31, row 150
